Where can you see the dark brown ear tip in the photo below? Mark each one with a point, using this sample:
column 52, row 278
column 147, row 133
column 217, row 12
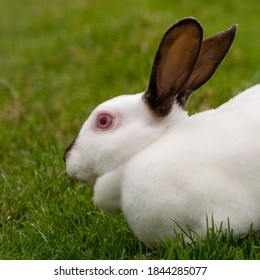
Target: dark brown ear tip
column 188, row 21
column 231, row 33
column 233, row 29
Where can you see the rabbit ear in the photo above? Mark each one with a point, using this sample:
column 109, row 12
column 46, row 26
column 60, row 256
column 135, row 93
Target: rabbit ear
column 213, row 51
column 173, row 64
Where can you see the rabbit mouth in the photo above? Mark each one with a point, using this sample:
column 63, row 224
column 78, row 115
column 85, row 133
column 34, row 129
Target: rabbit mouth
column 83, row 176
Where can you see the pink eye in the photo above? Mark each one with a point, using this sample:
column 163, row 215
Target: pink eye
column 104, row 121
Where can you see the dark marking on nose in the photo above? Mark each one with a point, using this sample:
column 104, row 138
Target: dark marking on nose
column 69, row 148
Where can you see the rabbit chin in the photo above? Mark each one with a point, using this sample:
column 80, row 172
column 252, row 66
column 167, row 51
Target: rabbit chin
column 75, row 171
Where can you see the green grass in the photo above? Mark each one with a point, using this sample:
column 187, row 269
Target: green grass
column 58, row 60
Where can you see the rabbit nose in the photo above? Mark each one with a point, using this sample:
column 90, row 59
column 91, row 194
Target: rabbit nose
column 67, row 150
column 64, row 156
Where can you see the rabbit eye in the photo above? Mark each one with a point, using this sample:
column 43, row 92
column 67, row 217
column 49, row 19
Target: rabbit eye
column 104, row 121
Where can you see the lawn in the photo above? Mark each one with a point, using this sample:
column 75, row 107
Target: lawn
column 58, row 60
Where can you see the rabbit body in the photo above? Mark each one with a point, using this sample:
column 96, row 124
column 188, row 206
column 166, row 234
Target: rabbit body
column 207, row 164
column 166, row 170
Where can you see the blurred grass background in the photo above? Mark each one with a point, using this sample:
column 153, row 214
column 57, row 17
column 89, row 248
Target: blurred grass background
column 58, row 60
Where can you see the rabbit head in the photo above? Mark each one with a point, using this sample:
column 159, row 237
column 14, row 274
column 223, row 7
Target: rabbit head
column 113, row 133
column 120, row 128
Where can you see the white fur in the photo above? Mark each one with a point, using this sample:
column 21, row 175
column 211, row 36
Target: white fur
column 178, row 168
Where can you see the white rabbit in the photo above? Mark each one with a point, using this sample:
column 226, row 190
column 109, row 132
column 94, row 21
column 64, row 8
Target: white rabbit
column 147, row 158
